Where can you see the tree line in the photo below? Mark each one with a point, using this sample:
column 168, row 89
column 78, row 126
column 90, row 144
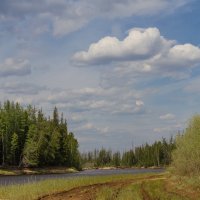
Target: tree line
column 28, row 138
column 157, row 154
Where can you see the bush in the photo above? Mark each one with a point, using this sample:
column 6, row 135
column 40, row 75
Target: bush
column 186, row 157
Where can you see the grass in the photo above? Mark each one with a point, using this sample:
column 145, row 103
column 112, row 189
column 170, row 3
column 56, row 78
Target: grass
column 24, row 171
column 166, row 188
column 131, row 192
column 162, row 187
column 34, row 190
column 7, row 172
column 105, row 194
column 156, row 190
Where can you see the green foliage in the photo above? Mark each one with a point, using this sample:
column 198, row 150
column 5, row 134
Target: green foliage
column 30, row 154
column 116, row 159
column 128, row 158
column 186, row 158
column 104, row 158
column 157, row 154
column 14, row 147
column 28, row 138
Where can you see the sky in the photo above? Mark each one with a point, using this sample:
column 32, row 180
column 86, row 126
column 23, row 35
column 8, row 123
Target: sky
column 122, row 72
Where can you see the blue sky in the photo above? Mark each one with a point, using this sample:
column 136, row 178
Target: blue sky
column 122, row 72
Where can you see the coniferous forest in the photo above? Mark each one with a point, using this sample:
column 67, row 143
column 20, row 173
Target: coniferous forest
column 157, row 154
column 29, row 139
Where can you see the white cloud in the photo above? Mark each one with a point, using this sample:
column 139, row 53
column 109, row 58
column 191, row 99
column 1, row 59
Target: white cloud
column 139, row 103
column 15, row 67
column 179, row 56
column 64, row 26
column 140, row 44
column 76, row 119
column 21, row 88
column 163, row 129
column 99, row 100
column 170, row 128
column 63, row 16
column 147, row 55
column 91, row 128
column 167, row 116
column 142, row 51
column 76, row 14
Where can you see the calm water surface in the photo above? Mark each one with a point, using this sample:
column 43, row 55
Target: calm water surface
column 10, row 180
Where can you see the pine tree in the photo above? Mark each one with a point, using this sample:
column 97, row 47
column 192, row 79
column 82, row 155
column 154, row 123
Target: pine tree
column 55, row 117
column 14, row 148
column 31, row 154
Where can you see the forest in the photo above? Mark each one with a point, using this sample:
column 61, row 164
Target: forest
column 157, row 154
column 29, row 139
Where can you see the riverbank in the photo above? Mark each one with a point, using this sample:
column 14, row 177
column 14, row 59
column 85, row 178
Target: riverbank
column 113, row 187
column 110, row 168
column 12, row 171
column 13, row 180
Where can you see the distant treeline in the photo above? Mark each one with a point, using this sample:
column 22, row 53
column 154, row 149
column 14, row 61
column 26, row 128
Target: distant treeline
column 28, row 138
column 157, row 154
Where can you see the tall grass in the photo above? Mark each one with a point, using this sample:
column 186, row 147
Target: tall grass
column 144, row 189
column 34, row 190
column 128, row 193
column 105, row 194
column 156, row 190
column 131, row 192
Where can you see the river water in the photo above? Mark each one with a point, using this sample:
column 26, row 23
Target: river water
column 22, row 179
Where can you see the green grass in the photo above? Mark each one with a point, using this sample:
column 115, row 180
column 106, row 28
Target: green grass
column 34, row 190
column 131, row 192
column 154, row 188
column 24, row 171
column 105, row 194
column 7, row 172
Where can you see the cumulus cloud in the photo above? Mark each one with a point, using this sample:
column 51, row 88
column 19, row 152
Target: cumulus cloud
column 15, row 67
column 179, row 56
column 63, row 16
column 142, row 51
column 167, row 116
column 140, row 44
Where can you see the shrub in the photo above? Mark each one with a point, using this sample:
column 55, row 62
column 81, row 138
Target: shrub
column 186, row 157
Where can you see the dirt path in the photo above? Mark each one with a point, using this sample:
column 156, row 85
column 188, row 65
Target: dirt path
column 89, row 192
column 144, row 193
column 188, row 193
column 84, row 192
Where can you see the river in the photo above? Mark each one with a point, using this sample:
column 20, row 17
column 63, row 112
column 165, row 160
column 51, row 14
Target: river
column 22, row 179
